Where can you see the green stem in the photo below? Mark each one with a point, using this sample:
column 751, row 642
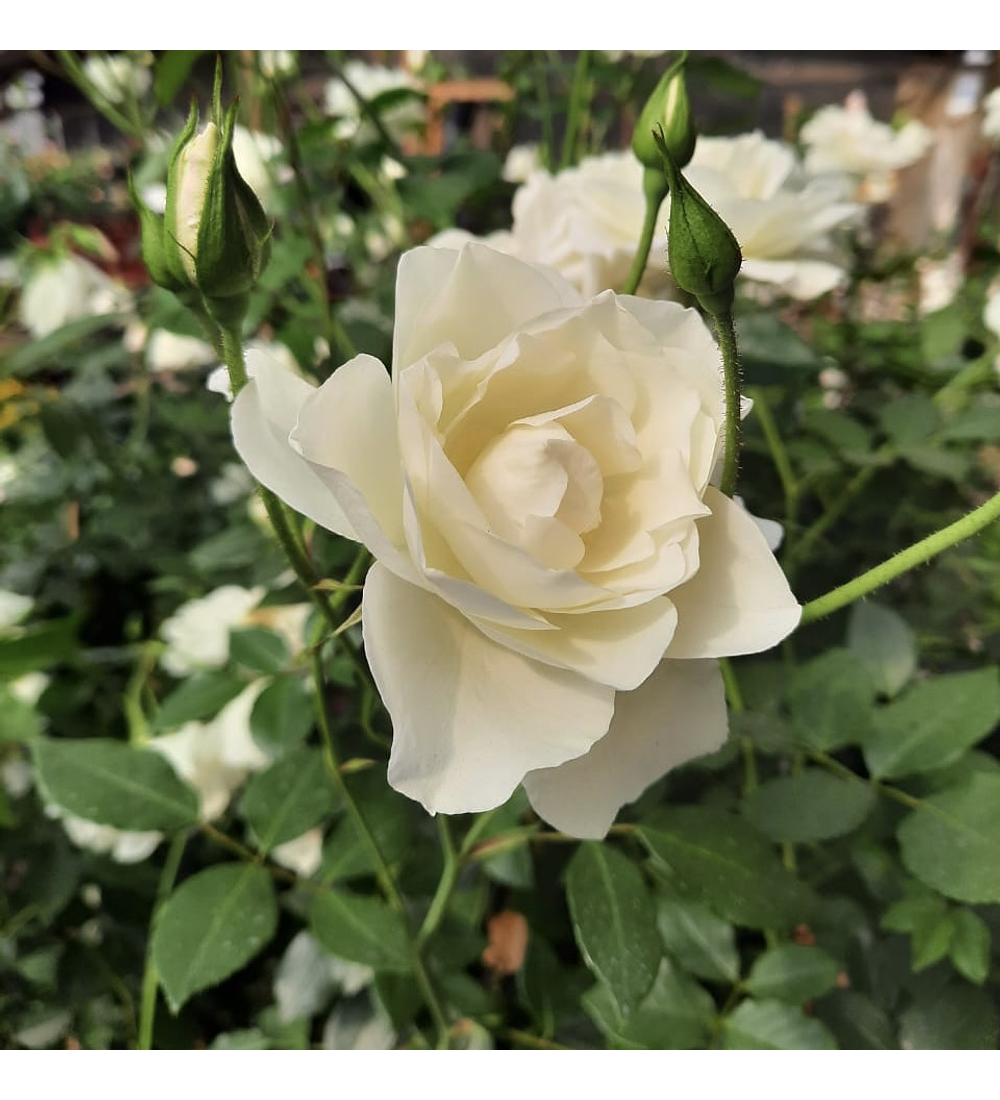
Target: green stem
column 654, row 187
column 446, row 884
column 777, row 451
column 545, row 103
column 382, row 871
column 577, row 97
column 726, row 330
column 917, row 554
column 147, row 1007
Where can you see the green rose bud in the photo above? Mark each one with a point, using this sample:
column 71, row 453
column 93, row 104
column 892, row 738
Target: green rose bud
column 215, row 236
column 668, row 109
column 703, row 254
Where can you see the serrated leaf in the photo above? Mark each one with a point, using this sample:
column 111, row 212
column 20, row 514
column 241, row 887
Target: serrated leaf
column 211, row 926
column 952, row 842
column 910, row 419
column 288, row 798
column 113, row 783
column 700, row 942
column 957, row 1017
column 198, row 697
column 970, row 945
column 720, row 860
column 614, row 922
column 933, row 723
column 830, row 700
column 774, row 1025
column 884, row 643
column 793, row 972
column 361, row 929
column 813, row 805
column 282, row 715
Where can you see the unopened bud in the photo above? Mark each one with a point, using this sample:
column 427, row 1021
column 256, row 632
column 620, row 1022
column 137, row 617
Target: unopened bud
column 668, row 109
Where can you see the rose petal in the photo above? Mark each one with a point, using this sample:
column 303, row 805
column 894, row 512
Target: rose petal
column 349, row 425
column 739, row 600
column 470, row 718
column 440, row 295
column 679, row 713
column 263, row 416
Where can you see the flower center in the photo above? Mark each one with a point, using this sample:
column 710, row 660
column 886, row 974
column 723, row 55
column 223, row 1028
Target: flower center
column 539, row 489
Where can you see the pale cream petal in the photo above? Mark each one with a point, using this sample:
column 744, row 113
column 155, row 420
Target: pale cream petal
column 739, row 600
column 679, row 713
column 470, row 718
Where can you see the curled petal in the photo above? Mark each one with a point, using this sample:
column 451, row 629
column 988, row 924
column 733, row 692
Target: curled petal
column 739, row 600
column 679, row 713
column 470, row 717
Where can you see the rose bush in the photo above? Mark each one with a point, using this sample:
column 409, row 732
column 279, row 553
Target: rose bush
column 555, row 572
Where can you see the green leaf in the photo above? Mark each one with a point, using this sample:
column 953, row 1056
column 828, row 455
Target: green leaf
column 702, row 943
column 774, row 1025
column 813, row 805
column 288, row 798
column 282, row 715
column 198, row 697
column 39, row 647
column 910, row 419
column 613, row 922
column 211, row 926
column 172, row 69
column 970, row 945
column 933, row 723
column 20, row 721
column 720, row 860
column 925, row 916
column 957, row 1017
column 259, row 649
column 53, row 348
column 952, row 842
column 115, row 784
column 830, row 700
column 361, row 929
column 856, row 1021
column 884, row 643
column 793, row 972
column 676, row 1014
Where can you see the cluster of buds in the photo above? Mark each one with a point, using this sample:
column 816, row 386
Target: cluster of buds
column 703, row 254
column 212, row 243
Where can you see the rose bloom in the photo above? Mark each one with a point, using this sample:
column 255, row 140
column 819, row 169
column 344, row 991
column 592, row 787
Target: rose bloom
column 782, row 219
column 64, row 289
column 555, row 572
column 991, row 117
column 847, row 139
column 585, row 222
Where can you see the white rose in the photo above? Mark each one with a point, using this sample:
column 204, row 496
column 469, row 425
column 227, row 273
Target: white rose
column 371, row 81
column 585, row 222
column 534, row 482
column 258, row 157
column 197, row 634
column 991, row 117
column 782, row 219
column 117, row 76
column 13, row 608
column 171, row 351
column 847, row 139
column 122, row 845
column 67, row 289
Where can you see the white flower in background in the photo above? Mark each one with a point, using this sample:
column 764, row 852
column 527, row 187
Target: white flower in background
column 940, row 280
column 358, row 1024
column 991, row 116
column 13, row 608
column 521, row 162
column 534, row 483
column 286, row 619
column 847, row 139
column 303, row 855
column 232, row 484
column 68, row 288
column 259, row 159
column 197, row 634
column 173, row 351
column 122, row 845
column 370, row 81
column 118, row 76
column 308, row 976
column 16, row 775
column 216, row 757
column 29, row 687
column 991, row 312
column 277, row 63
column 782, row 219
column 583, row 222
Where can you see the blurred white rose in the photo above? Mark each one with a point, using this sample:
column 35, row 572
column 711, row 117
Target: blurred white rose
column 370, row 81
column 68, row 288
column 172, row 351
column 991, row 116
column 303, row 855
column 521, row 161
column 13, row 608
column 118, row 76
column 122, row 845
column 197, row 634
column 260, row 161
